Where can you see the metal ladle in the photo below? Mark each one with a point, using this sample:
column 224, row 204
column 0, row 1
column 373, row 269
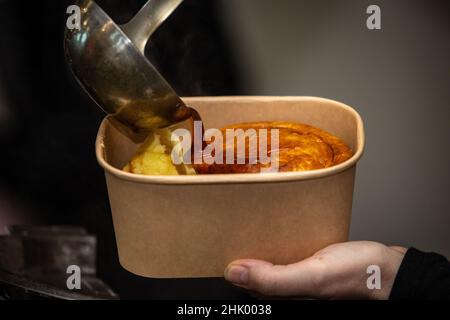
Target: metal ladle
column 109, row 62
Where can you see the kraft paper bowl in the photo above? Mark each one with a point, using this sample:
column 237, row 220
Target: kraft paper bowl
column 193, row 226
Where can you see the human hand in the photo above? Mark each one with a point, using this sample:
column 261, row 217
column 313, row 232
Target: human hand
column 338, row 271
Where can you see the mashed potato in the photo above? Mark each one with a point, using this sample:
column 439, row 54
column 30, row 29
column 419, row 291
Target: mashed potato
column 153, row 157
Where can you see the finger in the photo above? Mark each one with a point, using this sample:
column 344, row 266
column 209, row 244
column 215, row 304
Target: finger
column 298, row 279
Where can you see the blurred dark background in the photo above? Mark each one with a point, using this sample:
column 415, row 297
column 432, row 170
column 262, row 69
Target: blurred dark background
column 397, row 78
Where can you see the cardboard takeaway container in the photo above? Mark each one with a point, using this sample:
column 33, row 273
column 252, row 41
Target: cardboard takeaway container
column 193, row 226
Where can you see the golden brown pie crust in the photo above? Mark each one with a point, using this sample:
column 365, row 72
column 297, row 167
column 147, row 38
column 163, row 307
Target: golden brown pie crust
column 301, row 147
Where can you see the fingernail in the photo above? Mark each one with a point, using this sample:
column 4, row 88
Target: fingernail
column 237, row 274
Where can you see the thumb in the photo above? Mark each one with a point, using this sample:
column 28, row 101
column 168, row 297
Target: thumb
column 298, row 279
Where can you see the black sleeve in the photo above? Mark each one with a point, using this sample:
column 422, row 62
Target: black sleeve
column 422, row 276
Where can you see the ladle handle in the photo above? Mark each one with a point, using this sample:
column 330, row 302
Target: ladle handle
column 147, row 20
